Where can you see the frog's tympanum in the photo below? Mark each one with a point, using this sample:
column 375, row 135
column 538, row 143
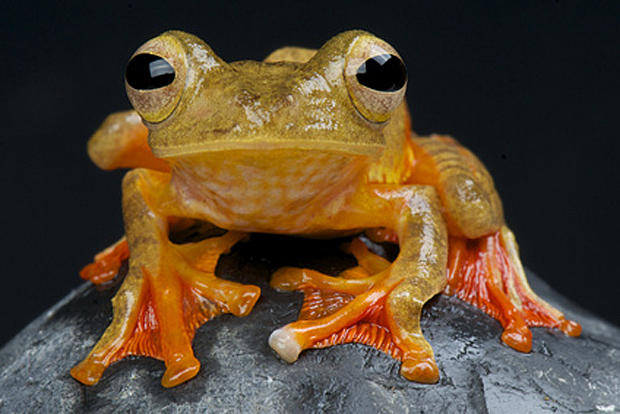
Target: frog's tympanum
column 305, row 143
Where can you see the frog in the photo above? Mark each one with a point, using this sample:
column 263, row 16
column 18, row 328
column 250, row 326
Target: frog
column 306, row 143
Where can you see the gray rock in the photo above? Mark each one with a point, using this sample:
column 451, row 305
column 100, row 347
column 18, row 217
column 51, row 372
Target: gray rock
column 240, row 373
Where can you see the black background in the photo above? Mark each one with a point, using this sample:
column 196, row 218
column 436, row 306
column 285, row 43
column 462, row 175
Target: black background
column 531, row 86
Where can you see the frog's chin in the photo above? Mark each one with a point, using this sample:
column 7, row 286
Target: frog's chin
column 266, row 191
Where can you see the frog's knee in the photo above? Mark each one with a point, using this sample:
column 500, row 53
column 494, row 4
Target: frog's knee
column 130, row 179
column 423, row 200
column 122, row 131
column 473, row 210
column 138, row 179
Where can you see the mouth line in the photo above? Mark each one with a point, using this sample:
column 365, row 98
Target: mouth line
column 363, row 149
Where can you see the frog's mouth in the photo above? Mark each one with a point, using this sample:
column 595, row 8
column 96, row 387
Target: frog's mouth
column 354, row 149
column 192, row 141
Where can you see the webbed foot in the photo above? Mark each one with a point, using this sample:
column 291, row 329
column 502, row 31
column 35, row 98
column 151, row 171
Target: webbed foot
column 366, row 305
column 170, row 290
column 487, row 273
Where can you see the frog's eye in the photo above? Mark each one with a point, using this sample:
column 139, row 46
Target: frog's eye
column 383, row 73
column 155, row 77
column 146, row 71
column 376, row 78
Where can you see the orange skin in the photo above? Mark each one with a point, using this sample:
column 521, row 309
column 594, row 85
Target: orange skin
column 297, row 145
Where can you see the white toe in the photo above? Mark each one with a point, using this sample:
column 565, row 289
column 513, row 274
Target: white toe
column 283, row 342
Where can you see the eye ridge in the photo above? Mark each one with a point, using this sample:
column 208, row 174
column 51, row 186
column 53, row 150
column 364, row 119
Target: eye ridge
column 384, row 73
column 147, row 72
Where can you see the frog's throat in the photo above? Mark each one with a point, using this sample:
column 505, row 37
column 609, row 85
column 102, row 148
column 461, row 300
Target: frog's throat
column 373, row 150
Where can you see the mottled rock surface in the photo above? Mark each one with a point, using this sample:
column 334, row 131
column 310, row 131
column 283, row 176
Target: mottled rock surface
column 241, row 374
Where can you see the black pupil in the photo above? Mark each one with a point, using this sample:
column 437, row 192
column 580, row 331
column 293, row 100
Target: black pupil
column 385, row 73
column 146, row 71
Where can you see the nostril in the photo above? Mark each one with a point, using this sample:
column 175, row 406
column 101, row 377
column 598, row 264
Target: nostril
column 289, row 100
column 281, row 101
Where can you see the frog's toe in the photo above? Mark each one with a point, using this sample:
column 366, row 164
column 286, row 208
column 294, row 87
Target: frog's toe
column 180, row 370
column 243, row 300
column 420, row 370
column 570, row 328
column 88, row 372
column 284, row 342
column 107, row 263
column 287, row 278
column 348, row 282
column 518, row 338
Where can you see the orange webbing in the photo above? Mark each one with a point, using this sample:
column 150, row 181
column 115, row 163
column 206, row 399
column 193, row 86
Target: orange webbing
column 481, row 273
column 145, row 339
column 370, row 330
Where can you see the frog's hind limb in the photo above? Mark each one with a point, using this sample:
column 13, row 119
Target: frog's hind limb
column 169, row 290
column 377, row 303
column 472, row 206
column 484, row 266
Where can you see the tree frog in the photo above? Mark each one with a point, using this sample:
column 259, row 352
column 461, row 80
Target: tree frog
column 312, row 143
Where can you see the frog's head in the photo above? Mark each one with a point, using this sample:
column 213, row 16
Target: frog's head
column 337, row 99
